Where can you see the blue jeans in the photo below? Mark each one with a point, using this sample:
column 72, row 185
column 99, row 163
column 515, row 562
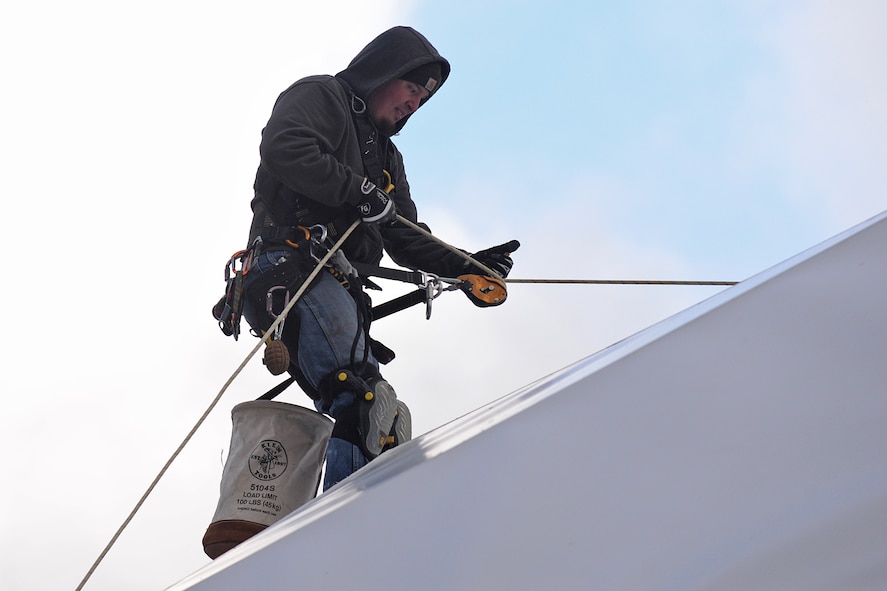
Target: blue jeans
column 328, row 325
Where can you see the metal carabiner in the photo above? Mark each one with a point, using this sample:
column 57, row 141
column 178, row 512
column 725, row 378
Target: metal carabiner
column 269, row 307
column 269, row 300
column 231, row 268
column 429, row 297
column 433, row 288
column 316, row 247
column 321, row 230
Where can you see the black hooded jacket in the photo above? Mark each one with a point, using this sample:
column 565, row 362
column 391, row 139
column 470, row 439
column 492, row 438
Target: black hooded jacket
column 313, row 161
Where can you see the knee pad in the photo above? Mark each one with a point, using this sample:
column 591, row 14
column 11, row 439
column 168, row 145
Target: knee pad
column 346, row 379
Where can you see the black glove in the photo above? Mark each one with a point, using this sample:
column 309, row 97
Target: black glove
column 496, row 258
column 375, row 206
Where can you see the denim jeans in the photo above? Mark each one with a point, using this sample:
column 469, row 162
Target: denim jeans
column 328, row 326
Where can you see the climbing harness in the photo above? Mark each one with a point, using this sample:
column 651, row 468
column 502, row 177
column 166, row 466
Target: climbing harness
column 306, row 247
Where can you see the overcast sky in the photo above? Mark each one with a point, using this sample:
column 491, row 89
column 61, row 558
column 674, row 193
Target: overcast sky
column 688, row 140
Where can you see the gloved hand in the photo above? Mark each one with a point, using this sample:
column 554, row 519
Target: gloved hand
column 496, row 258
column 375, row 207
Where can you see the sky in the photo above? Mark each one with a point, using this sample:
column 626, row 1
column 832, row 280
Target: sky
column 683, row 141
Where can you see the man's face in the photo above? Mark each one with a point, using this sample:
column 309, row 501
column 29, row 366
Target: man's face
column 394, row 101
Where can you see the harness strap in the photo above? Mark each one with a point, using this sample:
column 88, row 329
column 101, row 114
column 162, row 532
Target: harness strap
column 294, row 234
column 367, row 270
column 273, row 392
column 372, row 152
column 400, row 303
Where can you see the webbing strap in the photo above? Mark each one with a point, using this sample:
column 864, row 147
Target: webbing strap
column 283, row 233
column 372, row 152
column 273, row 392
column 400, row 303
column 414, row 277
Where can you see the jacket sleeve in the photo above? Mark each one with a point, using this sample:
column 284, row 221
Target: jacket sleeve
column 302, row 145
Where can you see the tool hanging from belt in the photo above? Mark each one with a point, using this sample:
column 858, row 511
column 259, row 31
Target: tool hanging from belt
column 311, row 244
column 312, row 247
column 228, row 309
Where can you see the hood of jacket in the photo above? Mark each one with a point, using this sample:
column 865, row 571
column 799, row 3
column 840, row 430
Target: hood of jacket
column 388, row 57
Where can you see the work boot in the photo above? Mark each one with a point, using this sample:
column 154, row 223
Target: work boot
column 402, row 430
column 377, row 409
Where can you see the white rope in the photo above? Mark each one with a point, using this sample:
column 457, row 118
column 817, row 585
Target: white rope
column 323, row 261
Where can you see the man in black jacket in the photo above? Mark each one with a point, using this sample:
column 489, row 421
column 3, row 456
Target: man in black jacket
column 327, row 160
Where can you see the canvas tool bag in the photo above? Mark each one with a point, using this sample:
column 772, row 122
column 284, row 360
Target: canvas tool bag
column 273, row 467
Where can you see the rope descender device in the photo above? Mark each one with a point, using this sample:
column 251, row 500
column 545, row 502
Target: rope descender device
column 483, row 291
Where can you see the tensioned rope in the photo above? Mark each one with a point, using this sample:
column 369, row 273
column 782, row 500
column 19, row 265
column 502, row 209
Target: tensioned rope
column 489, row 271
column 320, row 265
